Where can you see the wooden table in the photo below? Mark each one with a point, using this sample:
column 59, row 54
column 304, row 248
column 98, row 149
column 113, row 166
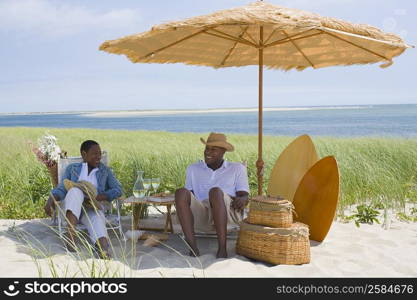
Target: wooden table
column 163, row 201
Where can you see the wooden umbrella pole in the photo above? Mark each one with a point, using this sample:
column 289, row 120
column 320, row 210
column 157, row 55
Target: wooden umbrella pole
column 260, row 162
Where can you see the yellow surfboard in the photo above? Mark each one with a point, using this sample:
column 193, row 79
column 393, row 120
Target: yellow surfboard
column 291, row 166
column 316, row 197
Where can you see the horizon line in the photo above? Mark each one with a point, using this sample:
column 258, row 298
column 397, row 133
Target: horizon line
column 202, row 110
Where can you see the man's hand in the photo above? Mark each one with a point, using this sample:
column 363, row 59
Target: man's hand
column 101, row 197
column 50, row 205
column 239, row 202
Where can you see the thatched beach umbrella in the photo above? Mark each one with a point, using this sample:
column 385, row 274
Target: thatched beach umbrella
column 260, row 34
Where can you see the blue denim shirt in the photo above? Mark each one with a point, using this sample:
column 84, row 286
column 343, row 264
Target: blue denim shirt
column 106, row 182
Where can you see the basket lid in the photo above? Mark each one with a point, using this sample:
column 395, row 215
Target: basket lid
column 269, row 199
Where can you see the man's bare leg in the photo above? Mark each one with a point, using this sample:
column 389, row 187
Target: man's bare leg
column 102, row 246
column 72, row 222
column 103, row 243
column 219, row 211
column 186, row 218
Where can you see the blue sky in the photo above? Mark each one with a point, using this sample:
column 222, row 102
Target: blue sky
column 50, row 61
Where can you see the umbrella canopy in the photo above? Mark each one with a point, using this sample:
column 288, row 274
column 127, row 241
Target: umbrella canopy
column 260, row 34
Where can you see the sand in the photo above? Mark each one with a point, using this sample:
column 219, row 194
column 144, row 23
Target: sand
column 348, row 251
column 133, row 113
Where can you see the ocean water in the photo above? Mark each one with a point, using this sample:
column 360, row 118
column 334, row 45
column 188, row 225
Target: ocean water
column 377, row 120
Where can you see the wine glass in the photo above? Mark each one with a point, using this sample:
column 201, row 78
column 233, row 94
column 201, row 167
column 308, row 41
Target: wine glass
column 155, row 183
column 147, row 184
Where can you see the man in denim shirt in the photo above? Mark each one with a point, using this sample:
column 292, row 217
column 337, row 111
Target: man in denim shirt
column 108, row 188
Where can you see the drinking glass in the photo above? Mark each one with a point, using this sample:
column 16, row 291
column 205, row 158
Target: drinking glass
column 147, row 184
column 155, row 183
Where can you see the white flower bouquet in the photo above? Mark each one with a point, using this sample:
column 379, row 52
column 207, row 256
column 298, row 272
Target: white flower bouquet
column 48, row 152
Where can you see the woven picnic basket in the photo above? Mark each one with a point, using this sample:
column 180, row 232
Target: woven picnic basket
column 270, row 211
column 53, row 173
column 290, row 246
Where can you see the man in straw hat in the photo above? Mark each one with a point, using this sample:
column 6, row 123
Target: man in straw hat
column 83, row 187
column 215, row 193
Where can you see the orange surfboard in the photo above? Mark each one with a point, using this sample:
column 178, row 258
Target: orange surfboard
column 290, row 167
column 316, row 197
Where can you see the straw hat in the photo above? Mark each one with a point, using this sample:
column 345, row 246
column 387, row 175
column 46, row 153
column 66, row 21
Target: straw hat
column 89, row 190
column 218, row 140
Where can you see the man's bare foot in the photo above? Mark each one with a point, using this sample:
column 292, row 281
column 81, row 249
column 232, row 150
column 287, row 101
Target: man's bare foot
column 103, row 253
column 70, row 244
column 221, row 253
column 194, row 252
column 193, row 249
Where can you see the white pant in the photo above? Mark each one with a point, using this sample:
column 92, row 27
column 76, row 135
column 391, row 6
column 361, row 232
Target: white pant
column 94, row 220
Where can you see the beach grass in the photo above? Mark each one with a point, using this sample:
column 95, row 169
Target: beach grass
column 377, row 171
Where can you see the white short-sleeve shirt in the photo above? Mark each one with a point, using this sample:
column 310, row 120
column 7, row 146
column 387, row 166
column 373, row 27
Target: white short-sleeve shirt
column 230, row 178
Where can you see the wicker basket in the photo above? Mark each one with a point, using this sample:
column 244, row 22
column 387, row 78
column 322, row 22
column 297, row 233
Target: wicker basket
column 271, row 212
column 53, row 173
column 290, row 246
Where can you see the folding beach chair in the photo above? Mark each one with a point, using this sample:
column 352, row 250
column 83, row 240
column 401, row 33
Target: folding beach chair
column 113, row 220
